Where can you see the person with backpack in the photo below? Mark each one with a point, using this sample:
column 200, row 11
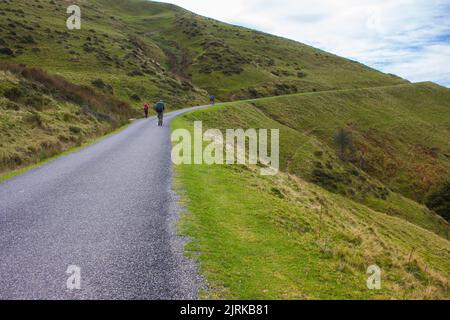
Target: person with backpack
column 146, row 108
column 212, row 99
column 159, row 108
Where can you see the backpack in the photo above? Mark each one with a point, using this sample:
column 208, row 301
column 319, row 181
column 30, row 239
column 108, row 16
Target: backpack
column 159, row 107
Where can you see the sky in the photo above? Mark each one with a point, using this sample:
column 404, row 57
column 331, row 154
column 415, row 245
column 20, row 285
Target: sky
column 409, row 38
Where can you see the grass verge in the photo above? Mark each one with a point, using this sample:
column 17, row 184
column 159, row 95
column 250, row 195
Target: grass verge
column 14, row 173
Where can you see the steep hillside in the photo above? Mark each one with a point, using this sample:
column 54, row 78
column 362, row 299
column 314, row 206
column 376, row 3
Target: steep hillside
column 399, row 147
column 145, row 50
column 361, row 151
column 106, row 50
column 400, row 134
column 284, row 238
column 43, row 115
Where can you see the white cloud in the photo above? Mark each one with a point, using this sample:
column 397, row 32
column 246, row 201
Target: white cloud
column 410, row 38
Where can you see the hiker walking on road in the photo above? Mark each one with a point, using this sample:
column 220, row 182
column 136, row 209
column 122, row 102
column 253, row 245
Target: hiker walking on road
column 159, row 108
column 146, row 107
column 212, row 99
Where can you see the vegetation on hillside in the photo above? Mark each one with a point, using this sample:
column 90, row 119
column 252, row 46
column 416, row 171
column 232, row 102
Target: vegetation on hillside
column 42, row 115
column 284, row 238
column 357, row 164
column 399, row 143
column 344, row 142
column 439, row 201
column 146, row 51
column 107, row 48
column 362, row 152
column 400, row 133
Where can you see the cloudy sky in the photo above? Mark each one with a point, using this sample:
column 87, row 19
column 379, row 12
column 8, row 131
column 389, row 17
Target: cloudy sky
column 410, row 38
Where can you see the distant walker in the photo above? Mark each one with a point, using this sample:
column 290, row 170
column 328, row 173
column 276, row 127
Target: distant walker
column 146, row 107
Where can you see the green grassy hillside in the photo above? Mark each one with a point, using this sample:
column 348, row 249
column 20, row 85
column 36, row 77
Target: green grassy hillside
column 400, row 143
column 310, row 232
column 288, row 237
column 144, row 50
column 42, row 115
column 107, row 48
column 400, row 134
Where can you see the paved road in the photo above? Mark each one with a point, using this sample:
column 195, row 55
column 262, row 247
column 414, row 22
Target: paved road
column 108, row 209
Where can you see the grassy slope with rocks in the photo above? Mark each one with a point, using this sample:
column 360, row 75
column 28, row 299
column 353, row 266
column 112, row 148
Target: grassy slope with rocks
column 400, row 137
column 108, row 48
column 144, row 50
column 234, row 62
column 288, row 237
column 42, row 115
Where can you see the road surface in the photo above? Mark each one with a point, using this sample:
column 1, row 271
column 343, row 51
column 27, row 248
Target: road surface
column 109, row 210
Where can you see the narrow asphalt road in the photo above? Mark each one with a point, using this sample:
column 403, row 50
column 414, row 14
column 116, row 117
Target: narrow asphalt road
column 108, row 209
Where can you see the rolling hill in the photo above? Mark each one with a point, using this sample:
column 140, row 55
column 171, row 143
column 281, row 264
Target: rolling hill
column 142, row 51
column 145, row 50
column 400, row 143
column 312, row 231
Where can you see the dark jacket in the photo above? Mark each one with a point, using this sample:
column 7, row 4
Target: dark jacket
column 160, row 107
